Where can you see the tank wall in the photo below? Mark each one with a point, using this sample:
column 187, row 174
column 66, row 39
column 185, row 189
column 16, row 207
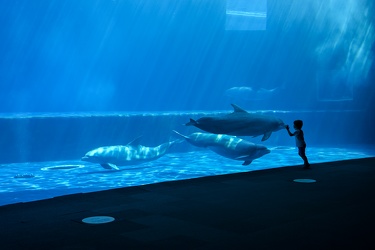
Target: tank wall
column 37, row 139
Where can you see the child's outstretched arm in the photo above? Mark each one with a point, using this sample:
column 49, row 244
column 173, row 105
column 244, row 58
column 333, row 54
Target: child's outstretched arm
column 287, row 129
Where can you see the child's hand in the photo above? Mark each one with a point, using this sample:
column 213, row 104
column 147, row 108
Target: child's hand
column 287, row 127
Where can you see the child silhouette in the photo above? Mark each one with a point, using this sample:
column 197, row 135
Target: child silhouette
column 300, row 141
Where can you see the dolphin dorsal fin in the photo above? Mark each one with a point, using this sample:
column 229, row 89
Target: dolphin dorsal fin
column 192, row 122
column 135, row 142
column 238, row 109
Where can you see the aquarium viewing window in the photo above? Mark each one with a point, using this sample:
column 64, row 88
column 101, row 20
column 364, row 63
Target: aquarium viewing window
column 246, row 15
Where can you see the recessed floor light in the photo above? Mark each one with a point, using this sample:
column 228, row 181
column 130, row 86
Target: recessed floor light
column 98, row 219
column 304, row 180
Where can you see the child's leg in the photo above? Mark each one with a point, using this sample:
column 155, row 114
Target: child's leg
column 302, row 153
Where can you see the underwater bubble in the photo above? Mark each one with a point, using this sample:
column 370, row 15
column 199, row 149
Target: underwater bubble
column 304, row 180
column 98, row 219
column 62, row 167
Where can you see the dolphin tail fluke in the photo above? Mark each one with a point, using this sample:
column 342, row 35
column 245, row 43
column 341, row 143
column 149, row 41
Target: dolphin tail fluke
column 192, row 122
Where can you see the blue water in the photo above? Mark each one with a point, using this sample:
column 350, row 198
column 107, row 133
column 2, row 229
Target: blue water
column 51, row 179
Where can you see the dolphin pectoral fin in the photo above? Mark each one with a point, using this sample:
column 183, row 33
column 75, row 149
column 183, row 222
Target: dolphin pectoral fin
column 246, row 162
column 192, row 122
column 109, row 166
column 266, row 136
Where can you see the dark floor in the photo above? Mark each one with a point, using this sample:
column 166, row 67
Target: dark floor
column 255, row 210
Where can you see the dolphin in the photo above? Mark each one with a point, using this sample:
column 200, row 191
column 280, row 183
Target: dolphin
column 228, row 146
column 110, row 157
column 240, row 123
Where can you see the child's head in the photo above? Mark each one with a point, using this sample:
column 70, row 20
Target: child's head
column 298, row 124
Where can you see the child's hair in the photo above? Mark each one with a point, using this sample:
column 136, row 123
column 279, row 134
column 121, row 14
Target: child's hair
column 298, row 124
